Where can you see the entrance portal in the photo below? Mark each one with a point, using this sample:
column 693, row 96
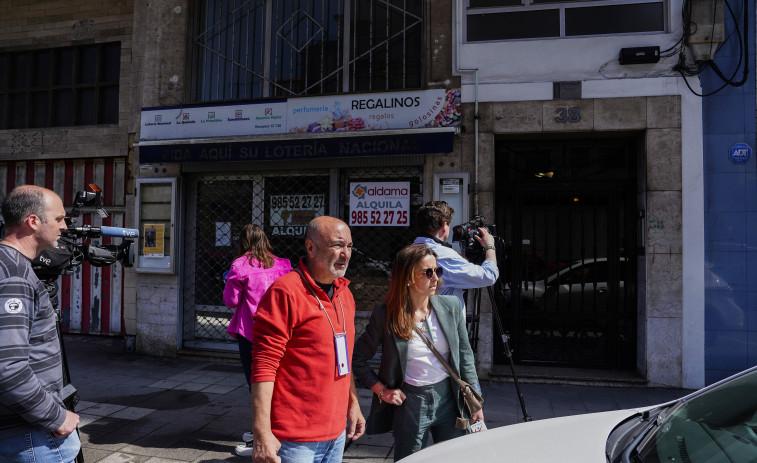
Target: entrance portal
column 567, row 290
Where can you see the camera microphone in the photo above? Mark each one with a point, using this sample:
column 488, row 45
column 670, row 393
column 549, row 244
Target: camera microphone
column 107, row 232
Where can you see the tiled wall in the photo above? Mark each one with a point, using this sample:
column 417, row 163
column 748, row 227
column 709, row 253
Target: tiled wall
column 730, row 216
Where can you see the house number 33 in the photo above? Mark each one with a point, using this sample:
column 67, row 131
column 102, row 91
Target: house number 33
column 564, row 115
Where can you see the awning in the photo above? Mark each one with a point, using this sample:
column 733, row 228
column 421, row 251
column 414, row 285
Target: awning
column 299, row 146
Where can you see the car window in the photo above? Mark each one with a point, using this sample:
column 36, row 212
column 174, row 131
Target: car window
column 716, row 426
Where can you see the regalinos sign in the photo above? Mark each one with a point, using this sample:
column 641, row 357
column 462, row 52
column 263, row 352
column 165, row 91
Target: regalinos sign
column 339, row 113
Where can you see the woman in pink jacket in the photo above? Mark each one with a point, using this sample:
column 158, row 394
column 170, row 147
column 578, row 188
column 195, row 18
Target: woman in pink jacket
column 251, row 273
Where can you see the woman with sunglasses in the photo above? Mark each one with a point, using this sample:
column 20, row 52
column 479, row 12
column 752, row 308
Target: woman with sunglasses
column 414, row 394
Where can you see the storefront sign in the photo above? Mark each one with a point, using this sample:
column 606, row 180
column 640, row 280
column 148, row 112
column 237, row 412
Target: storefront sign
column 290, row 214
column 375, row 111
column 379, row 204
column 340, row 113
column 740, row 153
column 300, row 148
column 177, row 122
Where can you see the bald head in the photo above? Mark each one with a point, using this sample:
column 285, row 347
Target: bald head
column 34, row 218
column 328, row 243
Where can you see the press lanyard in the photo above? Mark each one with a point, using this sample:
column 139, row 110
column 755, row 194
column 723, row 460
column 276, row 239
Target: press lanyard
column 340, row 339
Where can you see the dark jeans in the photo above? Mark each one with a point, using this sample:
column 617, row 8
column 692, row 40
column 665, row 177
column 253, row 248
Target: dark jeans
column 427, row 409
column 245, row 356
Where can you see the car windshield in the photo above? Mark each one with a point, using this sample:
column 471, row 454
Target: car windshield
column 717, row 425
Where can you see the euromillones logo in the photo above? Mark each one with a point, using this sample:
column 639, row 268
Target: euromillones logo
column 359, row 191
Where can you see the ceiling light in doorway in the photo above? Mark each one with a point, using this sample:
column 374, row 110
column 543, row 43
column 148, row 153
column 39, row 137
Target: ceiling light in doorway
column 544, row 174
column 576, row 199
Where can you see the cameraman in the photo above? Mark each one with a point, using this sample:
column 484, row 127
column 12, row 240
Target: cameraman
column 34, row 424
column 433, row 222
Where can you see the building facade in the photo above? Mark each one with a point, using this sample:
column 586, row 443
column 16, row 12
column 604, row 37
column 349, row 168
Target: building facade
column 559, row 124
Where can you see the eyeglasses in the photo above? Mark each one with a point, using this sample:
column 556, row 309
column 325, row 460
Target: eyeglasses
column 429, row 272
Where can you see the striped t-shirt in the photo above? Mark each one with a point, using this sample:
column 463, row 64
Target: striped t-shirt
column 31, row 373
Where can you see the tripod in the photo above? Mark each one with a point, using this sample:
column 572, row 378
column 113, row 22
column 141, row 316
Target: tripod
column 69, row 394
column 473, row 336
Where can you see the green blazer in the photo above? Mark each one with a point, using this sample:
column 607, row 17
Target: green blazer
column 394, row 356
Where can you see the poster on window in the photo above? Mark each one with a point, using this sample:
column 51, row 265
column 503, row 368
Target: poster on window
column 154, row 240
column 290, row 214
column 379, row 204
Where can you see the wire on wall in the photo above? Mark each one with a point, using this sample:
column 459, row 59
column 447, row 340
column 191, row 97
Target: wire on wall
column 687, row 69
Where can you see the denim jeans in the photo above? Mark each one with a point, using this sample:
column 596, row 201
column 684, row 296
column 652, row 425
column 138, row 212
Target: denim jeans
column 329, row 451
column 40, row 447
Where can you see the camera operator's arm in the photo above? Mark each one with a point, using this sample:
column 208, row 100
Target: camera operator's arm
column 486, row 240
column 459, row 273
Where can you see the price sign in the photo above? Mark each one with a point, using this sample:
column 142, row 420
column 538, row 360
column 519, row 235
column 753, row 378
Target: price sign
column 290, row 214
column 379, row 204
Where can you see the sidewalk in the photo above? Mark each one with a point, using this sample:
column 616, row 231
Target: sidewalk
column 145, row 409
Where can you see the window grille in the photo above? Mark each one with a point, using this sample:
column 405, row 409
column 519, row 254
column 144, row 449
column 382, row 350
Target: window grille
column 69, row 86
column 219, row 205
column 283, row 48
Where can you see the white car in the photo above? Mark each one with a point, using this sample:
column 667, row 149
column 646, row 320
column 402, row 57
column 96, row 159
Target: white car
column 716, row 424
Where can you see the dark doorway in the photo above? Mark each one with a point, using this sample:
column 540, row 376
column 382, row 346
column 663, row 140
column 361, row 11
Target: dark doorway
column 566, row 212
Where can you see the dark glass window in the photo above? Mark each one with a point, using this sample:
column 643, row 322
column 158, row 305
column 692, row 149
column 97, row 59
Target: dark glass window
column 614, row 19
column 516, row 19
column 516, row 25
column 60, row 87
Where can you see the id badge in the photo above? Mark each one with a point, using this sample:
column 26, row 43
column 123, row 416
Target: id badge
column 342, row 357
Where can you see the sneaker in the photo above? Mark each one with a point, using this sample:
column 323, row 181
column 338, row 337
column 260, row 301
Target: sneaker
column 244, row 450
column 247, row 437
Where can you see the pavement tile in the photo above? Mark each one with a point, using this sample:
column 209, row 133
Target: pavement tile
column 191, row 386
column 104, row 409
column 94, row 455
column 83, row 405
column 85, row 419
column 165, row 384
column 123, row 458
column 219, row 389
column 133, row 413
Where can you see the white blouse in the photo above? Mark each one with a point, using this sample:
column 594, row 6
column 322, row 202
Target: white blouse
column 423, row 368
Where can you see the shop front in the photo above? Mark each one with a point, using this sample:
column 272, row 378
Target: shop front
column 372, row 179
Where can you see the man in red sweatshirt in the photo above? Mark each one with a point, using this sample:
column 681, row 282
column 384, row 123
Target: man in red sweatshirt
column 304, row 401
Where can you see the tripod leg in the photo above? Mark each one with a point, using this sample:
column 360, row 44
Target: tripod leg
column 508, row 353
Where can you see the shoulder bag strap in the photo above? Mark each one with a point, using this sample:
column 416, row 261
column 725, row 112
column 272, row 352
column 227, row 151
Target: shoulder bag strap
column 441, row 359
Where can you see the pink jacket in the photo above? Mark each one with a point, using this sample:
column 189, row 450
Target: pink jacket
column 245, row 285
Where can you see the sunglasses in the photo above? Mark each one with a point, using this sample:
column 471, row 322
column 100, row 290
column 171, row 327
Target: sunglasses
column 429, row 272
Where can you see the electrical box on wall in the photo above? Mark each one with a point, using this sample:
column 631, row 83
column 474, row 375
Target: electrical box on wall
column 706, row 28
column 639, row 55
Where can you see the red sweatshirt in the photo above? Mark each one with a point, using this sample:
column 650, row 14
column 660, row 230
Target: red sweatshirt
column 293, row 346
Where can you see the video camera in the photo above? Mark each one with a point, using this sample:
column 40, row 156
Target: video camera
column 72, row 251
column 465, row 233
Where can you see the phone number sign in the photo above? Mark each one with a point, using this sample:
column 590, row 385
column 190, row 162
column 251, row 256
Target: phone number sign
column 379, row 204
column 290, row 214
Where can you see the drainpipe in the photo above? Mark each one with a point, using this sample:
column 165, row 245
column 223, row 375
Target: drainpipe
column 457, row 71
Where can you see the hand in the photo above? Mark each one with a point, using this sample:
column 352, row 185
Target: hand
column 394, row 396
column 68, row 426
column 355, row 423
column 478, row 416
column 265, row 448
column 485, row 238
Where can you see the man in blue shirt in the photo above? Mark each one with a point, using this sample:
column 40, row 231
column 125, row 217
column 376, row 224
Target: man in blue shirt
column 433, row 223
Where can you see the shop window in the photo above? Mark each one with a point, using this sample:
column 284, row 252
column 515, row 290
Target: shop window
column 492, row 20
column 277, row 48
column 60, row 87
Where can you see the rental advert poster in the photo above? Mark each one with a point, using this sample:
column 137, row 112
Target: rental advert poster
column 379, row 204
column 290, row 214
